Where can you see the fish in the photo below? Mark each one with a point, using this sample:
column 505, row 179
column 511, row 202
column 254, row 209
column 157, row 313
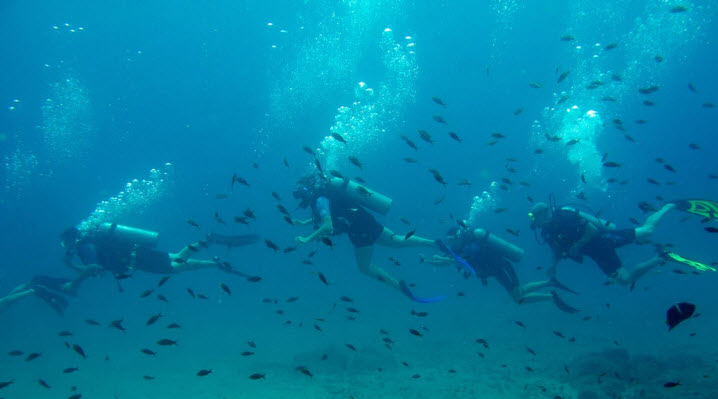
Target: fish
column 241, row 219
column 441, row 199
column 6, row 383
column 671, row 384
column 162, row 281
column 304, row 370
column 204, row 372
column 678, row 313
column 32, row 356
column 419, row 314
column 117, row 324
column 611, row 164
column 520, row 324
column 497, row 135
column 308, row 150
column 70, row 370
column 610, row 46
column 351, row 347
column 694, row 146
column 708, row 105
column 609, row 99
column 464, row 182
column 658, row 58
column 338, row 137
column 572, row 142
column 559, row 334
column 409, row 234
column 500, row 210
column 92, row 322
column 648, row 90
column 15, row 352
column 327, row 241
column 78, row 349
column 64, row 333
column 146, row 293
column 148, row 377
column 410, row 160
column 153, row 319
column 254, row 279
column 257, row 376
column 225, row 288
column 531, row 351
column 323, row 279
column 455, row 136
column 535, row 85
column 173, row 326
column 711, row 229
column 191, row 293
column 409, row 142
column 594, row 85
column 43, row 384
column 629, row 138
column 514, row 233
column 438, row 177
column 166, row 342
column 424, row 135
column 221, row 196
column 415, row 332
column 669, row 168
column 648, row 103
column 355, row 161
column 319, row 166
column 193, row 223
column 439, row 119
column 438, row 101
column 653, row 181
column 271, row 245
column 567, row 38
column 518, row 111
column 247, row 353
column 561, row 77
column 286, row 163
column 678, row 8
column 148, row 352
column 202, row 296
column 641, row 121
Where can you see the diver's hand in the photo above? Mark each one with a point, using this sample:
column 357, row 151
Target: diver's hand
column 301, row 240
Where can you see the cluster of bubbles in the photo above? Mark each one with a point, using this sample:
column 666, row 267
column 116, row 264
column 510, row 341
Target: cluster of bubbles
column 483, row 203
column 503, row 12
column 363, row 123
column 601, row 79
column 67, row 127
column 137, row 196
column 19, row 169
column 327, row 59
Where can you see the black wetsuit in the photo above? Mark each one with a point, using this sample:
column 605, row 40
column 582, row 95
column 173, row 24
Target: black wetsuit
column 567, row 227
column 488, row 263
column 120, row 257
column 347, row 217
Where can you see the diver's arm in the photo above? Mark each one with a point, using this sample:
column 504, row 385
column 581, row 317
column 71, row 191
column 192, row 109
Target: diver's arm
column 325, row 228
column 439, row 260
column 589, row 233
column 302, row 222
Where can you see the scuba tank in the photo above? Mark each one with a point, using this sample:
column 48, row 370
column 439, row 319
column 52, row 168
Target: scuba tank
column 505, row 248
column 127, row 234
column 364, row 196
column 595, row 220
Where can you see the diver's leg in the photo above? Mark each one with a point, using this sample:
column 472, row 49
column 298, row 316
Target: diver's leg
column 191, row 264
column 624, row 276
column 363, row 257
column 534, row 297
column 15, row 296
column 190, row 249
column 645, row 230
column 390, row 239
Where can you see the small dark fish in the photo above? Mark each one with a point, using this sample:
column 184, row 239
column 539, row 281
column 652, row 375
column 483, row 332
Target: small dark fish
column 611, row 164
column 327, row 241
column 64, row 333
column 520, row 324
column 225, row 288
column 350, row 346
column 409, row 142
column 252, row 344
column 254, row 279
column 438, row 101
column 561, row 77
column 711, row 229
column 32, row 356
column 204, row 372
column 173, row 325
column 193, row 223
column 658, row 58
column 708, row 105
column 271, row 245
column 249, row 214
column 6, row 383
column 567, row 38
column 629, row 138
column 286, row 163
column 648, row 90
column 410, row 160
column 78, row 349
column 191, row 293
column 70, row 370
column 531, row 351
column 256, row 376
column 558, row 334
column 148, row 377
column 117, row 324
column 43, row 384
column 148, row 352
column 424, row 135
column 419, row 314
column 671, row 384
column 694, row 146
column 146, row 293
column 409, row 234
column 338, row 137
column 438, row 177
column 653, row 181
column 648, row 103
column 162, row 281
column 572, row 142
column 514, row 233
column 439, row 200
column 610, row 46
column 641, row 121
column 304, row 370
column 247, row 353
column 221, row 196
column 679, row 8
column 355, row 161
column 153, row 319
column 669, row 168
column 678, row 313
column 535, row 85
column 308, row 150
column 594, row 85
column 92, row 322
column 323, row 279
column 608, row 99
column 415, row 332
column 439, row 119
column 241, row 219
column 455, row 136
column 202, row 296
column 15, row 352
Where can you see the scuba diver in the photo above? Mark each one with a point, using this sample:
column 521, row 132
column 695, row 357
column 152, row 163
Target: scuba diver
column 482, row 254
column 122, row 250
column 340, row 206
column 573, row 234
column 52, row 290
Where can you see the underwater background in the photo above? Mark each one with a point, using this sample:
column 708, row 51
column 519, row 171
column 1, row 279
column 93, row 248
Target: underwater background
column 140, row 113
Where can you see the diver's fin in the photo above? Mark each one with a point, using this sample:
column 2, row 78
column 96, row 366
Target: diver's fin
column 232, row 240
column 56, row 301
column 707, row 209
column 561, row 286
column 561, row 305
column 672, row 256
column 406, row 291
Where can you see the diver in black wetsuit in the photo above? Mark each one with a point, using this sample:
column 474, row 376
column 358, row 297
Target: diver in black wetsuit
column 52, row 290
column 573, row 234
column 112, row 252
column 336, row 211
column 478, row 252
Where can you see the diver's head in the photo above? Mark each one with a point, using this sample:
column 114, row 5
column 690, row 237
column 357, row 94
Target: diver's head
column 305, row 191
column 457, row 236
column 540, row 214
column 69, row 237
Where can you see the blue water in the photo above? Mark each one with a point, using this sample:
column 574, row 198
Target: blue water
column 181, row 96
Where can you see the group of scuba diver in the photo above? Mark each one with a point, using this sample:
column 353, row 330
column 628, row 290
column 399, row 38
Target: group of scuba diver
column 341, row 206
